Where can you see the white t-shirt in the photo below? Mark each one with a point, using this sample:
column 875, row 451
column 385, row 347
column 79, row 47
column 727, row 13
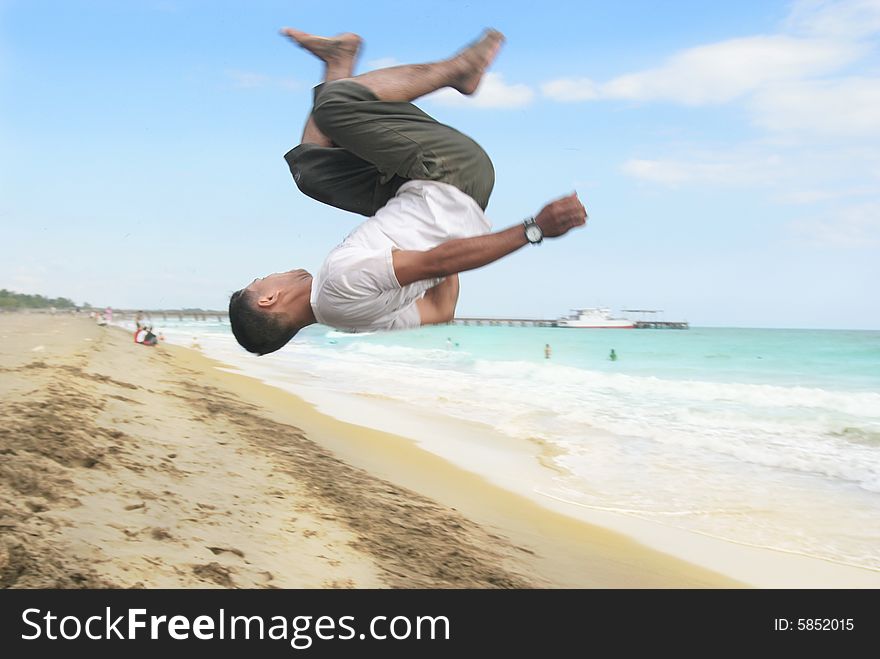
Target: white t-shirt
column 356, row 288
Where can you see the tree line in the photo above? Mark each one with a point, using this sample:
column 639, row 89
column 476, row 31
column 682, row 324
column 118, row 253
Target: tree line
column 13, row 300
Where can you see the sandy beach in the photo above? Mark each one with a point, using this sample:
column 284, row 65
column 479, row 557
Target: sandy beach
column 127, row 466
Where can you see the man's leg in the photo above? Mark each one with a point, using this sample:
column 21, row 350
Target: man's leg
column 339, row 55
column 320, row 168
column 384, row 139
column 462, row 72
column 370, row 117
column 408, row 82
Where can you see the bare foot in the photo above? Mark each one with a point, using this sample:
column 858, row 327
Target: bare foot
column 475, row 59
column 332, row 50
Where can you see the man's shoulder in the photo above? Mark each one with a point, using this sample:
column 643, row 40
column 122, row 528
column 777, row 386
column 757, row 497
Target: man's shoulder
column 354, row 255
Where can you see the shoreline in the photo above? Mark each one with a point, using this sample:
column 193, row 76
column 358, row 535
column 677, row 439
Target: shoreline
column 525, row 536
column 750, row 564
column 475, row 448
column 128, row 466
column 742, row 564
column 560, row 546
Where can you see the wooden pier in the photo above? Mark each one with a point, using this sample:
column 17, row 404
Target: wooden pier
column 503, row 322
column 546, row 322
column 205, row 315
column 647, row 319
column 661, row 324
column 154, row 315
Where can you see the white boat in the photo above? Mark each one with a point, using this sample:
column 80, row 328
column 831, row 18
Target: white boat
column 595, row 318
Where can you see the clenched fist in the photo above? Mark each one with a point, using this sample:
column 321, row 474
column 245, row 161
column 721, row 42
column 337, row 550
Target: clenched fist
column 558, row 217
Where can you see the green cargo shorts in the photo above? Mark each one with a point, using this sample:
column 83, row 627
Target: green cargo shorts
column 378, row 146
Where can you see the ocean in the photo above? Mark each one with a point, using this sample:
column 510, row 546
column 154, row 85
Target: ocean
column 763, row 437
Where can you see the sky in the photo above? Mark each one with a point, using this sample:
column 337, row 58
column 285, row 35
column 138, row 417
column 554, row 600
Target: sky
column 728, row 154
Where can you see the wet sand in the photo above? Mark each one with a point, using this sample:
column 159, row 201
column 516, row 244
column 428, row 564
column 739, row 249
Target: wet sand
column 129, row 466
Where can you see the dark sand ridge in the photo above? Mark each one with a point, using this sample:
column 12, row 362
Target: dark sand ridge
column 128, row 466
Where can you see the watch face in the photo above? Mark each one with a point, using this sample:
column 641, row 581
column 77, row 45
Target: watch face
column 533, row 233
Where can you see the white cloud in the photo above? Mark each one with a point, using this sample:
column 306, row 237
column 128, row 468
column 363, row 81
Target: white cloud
column 848, row 107
column 786, row 173
column 836, row 18
column 810, row 88
column 571, row 89
column 716, row 73
column 718, row 169
column 783, row 77
column 801, row 196
column 493, row 92
column 855, row 226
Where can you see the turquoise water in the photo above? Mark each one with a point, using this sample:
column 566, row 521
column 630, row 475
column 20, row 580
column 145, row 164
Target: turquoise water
column 847, row 360
column 763, row 437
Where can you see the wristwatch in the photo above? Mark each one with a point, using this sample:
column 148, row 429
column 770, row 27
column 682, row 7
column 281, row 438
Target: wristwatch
column 533, row 232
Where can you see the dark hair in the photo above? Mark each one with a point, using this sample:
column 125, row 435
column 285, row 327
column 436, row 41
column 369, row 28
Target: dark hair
column 256, row 330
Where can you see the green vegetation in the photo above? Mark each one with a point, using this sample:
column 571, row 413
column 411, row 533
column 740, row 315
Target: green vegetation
column 11, row 300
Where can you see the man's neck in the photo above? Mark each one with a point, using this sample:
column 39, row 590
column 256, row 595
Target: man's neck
column 304, row 314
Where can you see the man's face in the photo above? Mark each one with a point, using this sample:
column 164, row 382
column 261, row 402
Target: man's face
column 265, row 286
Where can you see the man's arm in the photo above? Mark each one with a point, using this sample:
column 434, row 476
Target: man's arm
column 455, row 256
column 438, row 303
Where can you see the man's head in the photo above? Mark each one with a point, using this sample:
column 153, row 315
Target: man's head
column 267, row 313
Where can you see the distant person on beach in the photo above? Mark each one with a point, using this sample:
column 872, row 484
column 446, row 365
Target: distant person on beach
column 613, row 355
column 144, row 336
column 547, row 351
column 139, row 319
column 424, row 187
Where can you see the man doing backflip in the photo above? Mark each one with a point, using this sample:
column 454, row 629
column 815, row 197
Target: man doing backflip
column 424, row 187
